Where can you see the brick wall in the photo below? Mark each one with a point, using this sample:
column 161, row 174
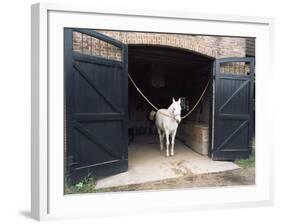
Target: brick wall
column 213, row 46
column 92, row 46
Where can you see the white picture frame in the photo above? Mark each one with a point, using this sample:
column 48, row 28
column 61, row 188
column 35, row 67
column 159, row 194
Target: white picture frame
column 48, row 201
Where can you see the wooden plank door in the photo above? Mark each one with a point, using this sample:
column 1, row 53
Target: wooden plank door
column 96, row 103
column 233, row 108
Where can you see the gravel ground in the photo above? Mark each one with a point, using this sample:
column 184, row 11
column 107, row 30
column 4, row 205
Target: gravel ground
column 243, row 176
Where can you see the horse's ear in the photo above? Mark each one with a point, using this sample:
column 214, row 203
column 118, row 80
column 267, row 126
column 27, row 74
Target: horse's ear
column 174, row 100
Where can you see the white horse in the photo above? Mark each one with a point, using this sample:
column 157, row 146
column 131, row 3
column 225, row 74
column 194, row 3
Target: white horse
column 167, row 121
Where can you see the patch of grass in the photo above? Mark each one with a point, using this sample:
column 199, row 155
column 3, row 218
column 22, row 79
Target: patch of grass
column 74, row 189
column 246, row 163
column 86, row 185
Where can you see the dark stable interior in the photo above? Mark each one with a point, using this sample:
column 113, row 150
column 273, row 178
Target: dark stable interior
column 162, row 73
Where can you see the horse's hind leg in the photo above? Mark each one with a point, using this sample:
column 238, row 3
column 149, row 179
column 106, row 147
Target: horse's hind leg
column 160, row 139
column 167, row 143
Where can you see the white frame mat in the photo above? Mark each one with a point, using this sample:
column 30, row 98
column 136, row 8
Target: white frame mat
column 48, row 200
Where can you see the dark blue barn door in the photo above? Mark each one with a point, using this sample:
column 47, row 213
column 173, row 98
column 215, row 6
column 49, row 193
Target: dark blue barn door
column 95, row 103
column 233, row 108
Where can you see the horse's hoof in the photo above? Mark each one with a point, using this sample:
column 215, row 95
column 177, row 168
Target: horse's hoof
column 167, row 155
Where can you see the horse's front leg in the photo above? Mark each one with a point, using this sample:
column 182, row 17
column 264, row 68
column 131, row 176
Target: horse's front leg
column 173, row 142
column 167, row 143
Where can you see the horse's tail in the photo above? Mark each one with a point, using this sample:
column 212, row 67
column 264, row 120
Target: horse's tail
column 151, row 115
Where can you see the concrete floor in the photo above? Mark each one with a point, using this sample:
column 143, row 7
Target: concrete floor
column 147, row 163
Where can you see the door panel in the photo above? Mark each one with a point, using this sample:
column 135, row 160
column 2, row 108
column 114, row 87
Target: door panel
column 233, row 108
column 95, row 104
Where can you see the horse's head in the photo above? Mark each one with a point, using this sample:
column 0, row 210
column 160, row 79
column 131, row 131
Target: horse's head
column 176, row 110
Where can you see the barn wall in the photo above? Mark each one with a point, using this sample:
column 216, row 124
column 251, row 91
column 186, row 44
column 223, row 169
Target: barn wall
column 251, row 47
column 213, row 46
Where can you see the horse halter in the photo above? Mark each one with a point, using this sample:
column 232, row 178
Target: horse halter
column 175, row 118
column 175, row 115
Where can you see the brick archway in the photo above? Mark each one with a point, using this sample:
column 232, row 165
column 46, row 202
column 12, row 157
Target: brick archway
column 210, row 46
